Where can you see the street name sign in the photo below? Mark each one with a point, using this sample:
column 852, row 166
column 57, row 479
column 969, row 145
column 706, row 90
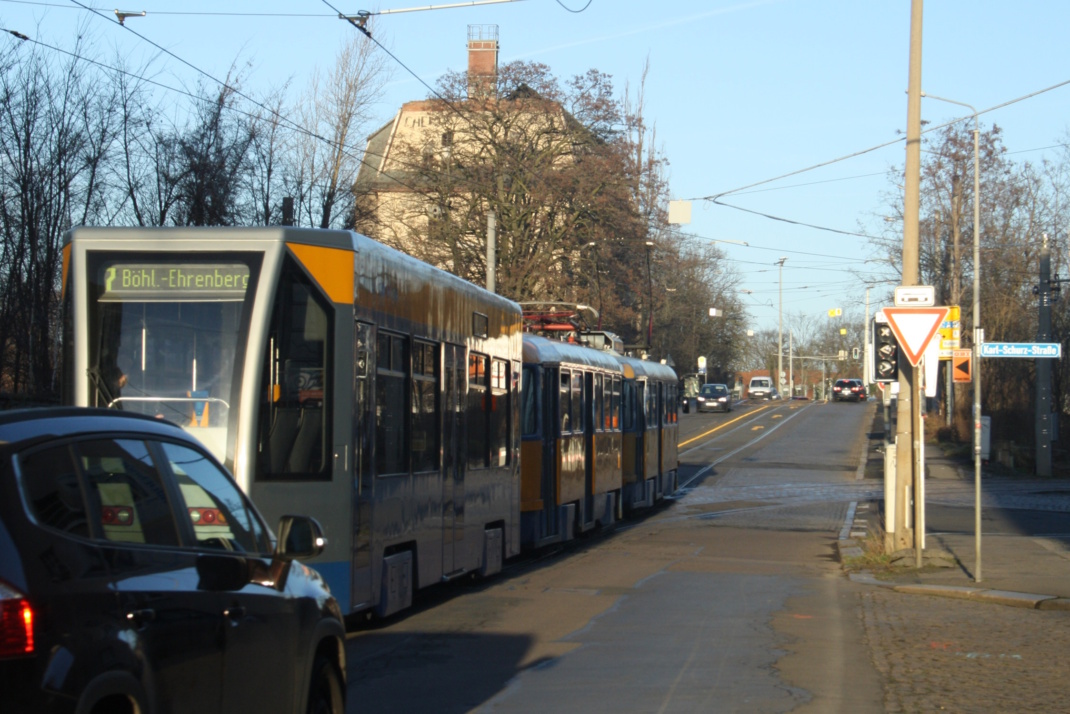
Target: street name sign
column 1025, row 350
column 915, row 328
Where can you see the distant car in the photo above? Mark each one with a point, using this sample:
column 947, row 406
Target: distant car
column 714, row 398
column 848, row 390
column 761, row 388
column 135, row 576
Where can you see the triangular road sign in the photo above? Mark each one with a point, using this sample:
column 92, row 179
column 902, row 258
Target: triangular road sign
column 915, row 327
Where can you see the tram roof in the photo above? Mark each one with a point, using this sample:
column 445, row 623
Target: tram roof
column 646, row 368
column 546, row 351
column 217, row 238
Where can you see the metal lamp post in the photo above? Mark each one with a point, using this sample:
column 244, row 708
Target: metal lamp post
column 977, row 332
column 780, row 325
column 650, row 297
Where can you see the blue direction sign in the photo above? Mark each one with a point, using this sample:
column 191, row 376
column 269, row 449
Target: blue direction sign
column 1025, row 350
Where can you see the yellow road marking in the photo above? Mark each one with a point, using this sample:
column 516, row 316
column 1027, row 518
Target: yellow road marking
column 722, row 426
column 778, row 416
column 757, row 428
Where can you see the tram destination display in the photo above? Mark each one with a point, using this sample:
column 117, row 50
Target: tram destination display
column 144, row 282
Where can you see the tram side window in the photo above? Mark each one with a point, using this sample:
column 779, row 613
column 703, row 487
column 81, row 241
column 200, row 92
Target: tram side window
column 390, row 419
column 598, row 403
column 499, row 413
column 564, row 402
column 478, row 394
column 615, row 411
column 650, row 405
column 530, row 397
column 577, row 402
column 295, row 414
column 425, row 407
column 628, row 406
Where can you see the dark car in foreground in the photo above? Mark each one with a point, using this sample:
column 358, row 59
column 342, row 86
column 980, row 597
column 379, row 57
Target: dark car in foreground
column 848, row 390
column 714, row 398
column 136, row 577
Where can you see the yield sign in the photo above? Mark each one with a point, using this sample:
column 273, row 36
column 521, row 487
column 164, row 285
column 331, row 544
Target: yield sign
column 915, row 327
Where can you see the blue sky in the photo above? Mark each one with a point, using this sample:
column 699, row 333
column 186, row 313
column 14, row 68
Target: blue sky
column 740, row 91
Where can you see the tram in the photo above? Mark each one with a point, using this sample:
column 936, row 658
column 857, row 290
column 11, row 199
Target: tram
column 329, row 373
column 404, row 407
column 599, row 434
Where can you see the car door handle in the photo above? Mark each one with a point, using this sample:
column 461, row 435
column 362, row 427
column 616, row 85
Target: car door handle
column 140, row 617
column 234, row 613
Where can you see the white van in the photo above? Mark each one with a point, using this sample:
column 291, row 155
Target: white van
column 760, row 388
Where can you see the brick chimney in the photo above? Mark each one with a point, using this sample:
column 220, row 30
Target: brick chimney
column 482, row 61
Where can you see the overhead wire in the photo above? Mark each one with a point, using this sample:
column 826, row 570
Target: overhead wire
column 292, row 124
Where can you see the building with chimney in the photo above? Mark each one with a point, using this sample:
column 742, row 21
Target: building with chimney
column 432, row 173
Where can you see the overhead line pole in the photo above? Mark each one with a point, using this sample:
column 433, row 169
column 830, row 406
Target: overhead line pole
column 908, row 428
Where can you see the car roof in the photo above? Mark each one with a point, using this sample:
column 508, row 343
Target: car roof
column 22, row 425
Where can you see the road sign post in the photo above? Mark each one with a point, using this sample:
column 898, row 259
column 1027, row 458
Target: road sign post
column 914, row 328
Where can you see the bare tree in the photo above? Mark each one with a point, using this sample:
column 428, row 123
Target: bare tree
column 213, row 156
column 57, row 129
column 271, row 138
column 334, row 114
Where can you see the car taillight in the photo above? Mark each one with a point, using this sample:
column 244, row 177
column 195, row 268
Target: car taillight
column 16, row 623
column 207, row 517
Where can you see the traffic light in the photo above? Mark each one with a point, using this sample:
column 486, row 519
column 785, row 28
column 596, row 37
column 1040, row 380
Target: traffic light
column 885, row 353
column 855, row 353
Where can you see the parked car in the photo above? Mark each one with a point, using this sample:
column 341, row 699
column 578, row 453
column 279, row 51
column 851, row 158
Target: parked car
column 761, row 388
column 848, row 389
column 135, row 576
column 714, row 398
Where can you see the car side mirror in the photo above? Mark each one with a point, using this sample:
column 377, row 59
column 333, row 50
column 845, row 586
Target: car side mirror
column 222, row 573
column 300, row 537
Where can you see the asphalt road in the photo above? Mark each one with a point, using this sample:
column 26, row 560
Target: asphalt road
column 727, row 598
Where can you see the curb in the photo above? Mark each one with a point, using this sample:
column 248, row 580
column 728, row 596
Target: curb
column 850, row 548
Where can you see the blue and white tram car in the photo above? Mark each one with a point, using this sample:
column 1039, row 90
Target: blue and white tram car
column 329, row 373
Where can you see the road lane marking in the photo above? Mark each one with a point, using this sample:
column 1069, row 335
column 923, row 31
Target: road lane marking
column 722, row 426
column 732, row 453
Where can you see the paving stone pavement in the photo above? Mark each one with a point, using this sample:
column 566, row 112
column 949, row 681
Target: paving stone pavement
column 945, row 655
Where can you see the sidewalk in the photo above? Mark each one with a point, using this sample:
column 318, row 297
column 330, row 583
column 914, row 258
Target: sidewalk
column 1025, row 536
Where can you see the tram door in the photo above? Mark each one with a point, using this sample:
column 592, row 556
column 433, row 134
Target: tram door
column 640, row 435
column 453, row 457
column 660, row 418
column 363, row 422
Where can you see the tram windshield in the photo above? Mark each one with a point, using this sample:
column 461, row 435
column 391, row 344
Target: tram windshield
column 167, row 338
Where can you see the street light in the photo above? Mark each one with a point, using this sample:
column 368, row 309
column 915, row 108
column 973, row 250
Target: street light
column 650, row 297
column 780, row 325
column 597, row 281
column 976, row 329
